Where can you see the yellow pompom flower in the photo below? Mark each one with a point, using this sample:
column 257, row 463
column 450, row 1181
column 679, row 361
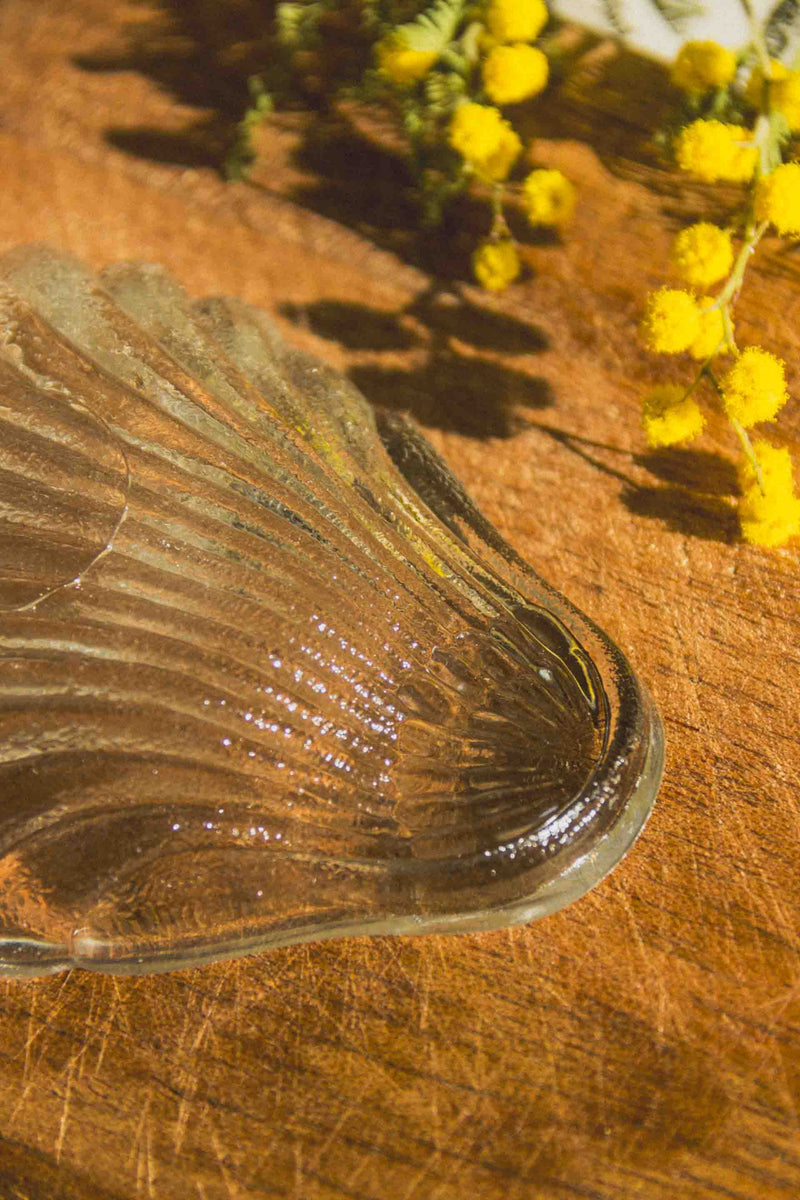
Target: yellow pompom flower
column 496, row 264
column 516, row 20
column 402, row 65
column 784, row 92
column 702, row 254
column 484, row 140
column 755, row 387
column 778, row 198
column 711, row 335
column 784, row 95
column 671, row 321
column 703, row 65
column 549, row 197
column 669, row 416
column 712, row 150
column 514, row 73
column 771, row 517
column 754, row 92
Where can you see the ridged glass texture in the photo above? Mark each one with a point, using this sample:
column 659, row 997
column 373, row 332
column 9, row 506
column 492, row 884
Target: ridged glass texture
column 266, row 675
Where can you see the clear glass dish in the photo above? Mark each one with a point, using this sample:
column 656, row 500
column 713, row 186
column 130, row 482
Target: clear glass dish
column 266, row 674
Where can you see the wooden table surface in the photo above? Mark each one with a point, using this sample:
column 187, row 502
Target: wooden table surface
column 646, row 1041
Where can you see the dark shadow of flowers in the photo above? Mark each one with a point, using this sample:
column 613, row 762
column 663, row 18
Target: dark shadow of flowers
column 465, row 395
column 450, row 389
column 357, row 173
column 442, row 314
column 202, row 144
column 697, row 496
column 354, row 326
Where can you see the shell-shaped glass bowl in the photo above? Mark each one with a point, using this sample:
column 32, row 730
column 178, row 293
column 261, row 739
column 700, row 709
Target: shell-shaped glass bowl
column 266, row 674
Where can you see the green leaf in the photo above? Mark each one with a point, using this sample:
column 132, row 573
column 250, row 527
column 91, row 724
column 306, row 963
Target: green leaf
column 296, row 23
column 433, row 30
column 782, row 31
column 241, row 155
column 471, row 42
column 443, row 91
column 614, row 13
column 677, row 12
column 261, row 100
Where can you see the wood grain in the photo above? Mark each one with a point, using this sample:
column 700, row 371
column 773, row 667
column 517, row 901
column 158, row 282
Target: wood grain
column 646, row 1041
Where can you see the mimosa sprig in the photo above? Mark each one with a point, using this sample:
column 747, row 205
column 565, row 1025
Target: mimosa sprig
column 747, row 383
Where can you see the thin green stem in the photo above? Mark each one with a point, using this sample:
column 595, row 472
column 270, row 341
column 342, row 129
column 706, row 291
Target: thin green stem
column 727, row 325
column 500, row 228
column 703, row 371
column 763, row 140
column 753, row 236
column 757, row 39
column 740, row 432
column 750, row 453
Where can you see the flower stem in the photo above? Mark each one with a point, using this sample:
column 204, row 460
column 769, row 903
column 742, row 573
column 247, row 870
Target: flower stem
column 741, row 433
column 753, row 236
column 500, row 228
column 750, row 453
column 757, row 39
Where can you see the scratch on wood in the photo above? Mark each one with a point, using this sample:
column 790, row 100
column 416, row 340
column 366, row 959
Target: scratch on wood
column 298, row 1171
column 62, row 1127
column 323, row 1149
column 423, row 1175
column 789, row 1091
column 113, row 1006
column 423, row 986
column 651, row 977
column 190, row 1080
column 31, row 1036
column 142, row 1151
column 34, row 1032
column 683, row 638
column 230, row 1186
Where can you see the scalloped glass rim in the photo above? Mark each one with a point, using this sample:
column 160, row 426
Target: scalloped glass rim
column 584, row 874
column 483, row 816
